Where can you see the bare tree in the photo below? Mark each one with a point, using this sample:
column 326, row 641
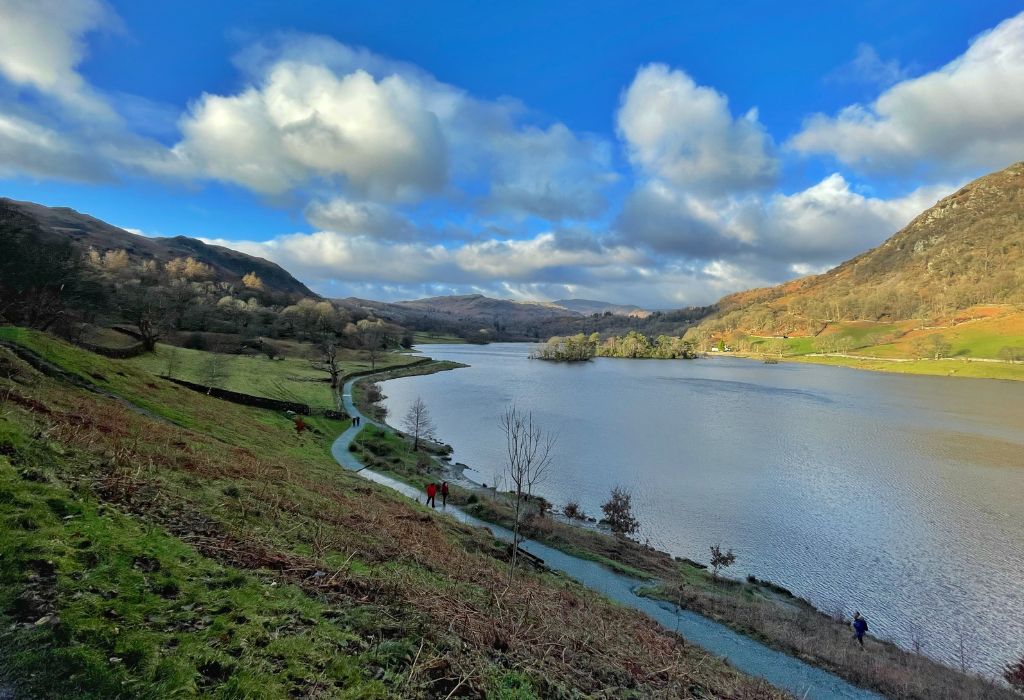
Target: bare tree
column 417, row 422
column 371, row 339
column 326, row 360
column 147, row 309
column 1011, row 354
column 172, row 361
column 215, row 370
column 528, row 448
column 721, row 560
column 964, row 655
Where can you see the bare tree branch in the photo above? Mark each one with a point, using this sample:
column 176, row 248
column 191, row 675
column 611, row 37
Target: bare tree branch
column 528, row 453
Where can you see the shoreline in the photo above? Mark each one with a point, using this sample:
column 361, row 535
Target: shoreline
column 963, row 368
column 620, row 584
column 960, row 367
column 673, row 580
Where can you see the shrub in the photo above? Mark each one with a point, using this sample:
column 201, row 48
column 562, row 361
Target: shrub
column 618, row 512
column 573, row 511
column 1014, row 674
column 195, row 341
column 721, row 560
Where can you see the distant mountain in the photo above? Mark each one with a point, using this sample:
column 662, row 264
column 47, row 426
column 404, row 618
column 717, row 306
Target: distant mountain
column 477, row 306
column 89, row 232
column 467, row 315
column 476, row 316
column 587, row 307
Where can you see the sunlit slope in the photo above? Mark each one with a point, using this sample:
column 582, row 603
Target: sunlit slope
column 952, row 280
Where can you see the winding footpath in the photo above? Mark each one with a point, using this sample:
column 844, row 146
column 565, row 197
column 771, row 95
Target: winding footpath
column 743, row 653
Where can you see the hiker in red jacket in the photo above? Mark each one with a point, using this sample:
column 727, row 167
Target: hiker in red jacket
column 431, row 492
column 444, row 494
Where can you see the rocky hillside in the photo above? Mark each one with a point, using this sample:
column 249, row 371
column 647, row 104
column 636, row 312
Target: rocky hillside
column 62, row 223
column 965, row 251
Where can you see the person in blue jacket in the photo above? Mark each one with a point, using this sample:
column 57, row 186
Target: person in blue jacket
column 860, row 628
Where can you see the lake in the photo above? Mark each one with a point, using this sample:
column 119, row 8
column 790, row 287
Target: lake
column 899, row 496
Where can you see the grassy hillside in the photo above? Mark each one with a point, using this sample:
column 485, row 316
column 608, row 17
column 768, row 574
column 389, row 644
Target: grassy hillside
column 948, row 285
column 161, row 543
column 983, row 342
column 64, row 224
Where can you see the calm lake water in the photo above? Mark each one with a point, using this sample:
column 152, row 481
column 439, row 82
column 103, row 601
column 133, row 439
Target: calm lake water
column 899, row 496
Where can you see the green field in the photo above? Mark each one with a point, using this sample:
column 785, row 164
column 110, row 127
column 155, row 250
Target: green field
column 951, row 367
column 288, row 379
column 979, row 340
column 423, row 338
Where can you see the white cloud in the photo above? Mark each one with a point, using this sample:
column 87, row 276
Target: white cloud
column 387, row 131
column 671, row 221
column 368, row 218
column 325, row 257
column 966, row 115
column 868, row 67
column 43, row 42
column 304, row 122
column 685, row 134
column 33, row 149
column 534, row 258
column 830, row 222
column 66, row 129
column 769, row 238
column 551, row 173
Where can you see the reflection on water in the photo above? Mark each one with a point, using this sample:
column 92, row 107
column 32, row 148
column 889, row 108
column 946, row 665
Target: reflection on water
column 898, row 496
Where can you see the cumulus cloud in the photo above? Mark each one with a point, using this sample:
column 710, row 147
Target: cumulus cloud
column 387, row 131
column 539, row 257
column 965, row 115
column 304, row 121
column 671, row 221
column 829, row 222
column 43, row 42
column 53, row 123
column 685, row 134
column 33, row 149
column 552, row 257
column 767, row 239
column 366, row 218
column 550, row 173
column 701, row 203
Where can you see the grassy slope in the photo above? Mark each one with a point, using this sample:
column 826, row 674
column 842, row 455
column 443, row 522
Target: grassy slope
column 206, row 548
column 757, row 608
column 289, row 379
column 980, row 334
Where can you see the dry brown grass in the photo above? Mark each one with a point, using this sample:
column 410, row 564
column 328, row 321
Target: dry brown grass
column 788, row 624
column 291, row 512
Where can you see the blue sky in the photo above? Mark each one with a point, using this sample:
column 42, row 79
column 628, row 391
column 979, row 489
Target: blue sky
column 660, row 154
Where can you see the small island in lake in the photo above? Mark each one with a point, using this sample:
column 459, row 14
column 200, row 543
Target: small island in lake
column 633, row 345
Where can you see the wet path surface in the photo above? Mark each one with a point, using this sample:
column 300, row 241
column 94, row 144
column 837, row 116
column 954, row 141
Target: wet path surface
column 749, row 656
